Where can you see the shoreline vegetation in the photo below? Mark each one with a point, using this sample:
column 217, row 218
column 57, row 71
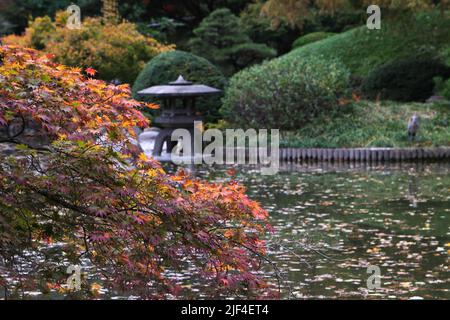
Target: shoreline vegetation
column 367, row 124
column 370, row 124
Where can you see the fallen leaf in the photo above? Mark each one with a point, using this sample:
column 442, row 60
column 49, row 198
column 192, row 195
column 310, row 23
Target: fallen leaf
column 373, row 250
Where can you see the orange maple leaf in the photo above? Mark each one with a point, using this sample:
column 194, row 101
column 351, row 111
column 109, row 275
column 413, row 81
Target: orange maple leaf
column 152, row 106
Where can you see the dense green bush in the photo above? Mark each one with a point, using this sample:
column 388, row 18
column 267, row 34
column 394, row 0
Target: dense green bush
column 310, row 38
column 246, row 54
column 442, row 87
column 409, row 79
column 169, row 65
column 443, row 84
column 221, row 39
column 284, row 93
column 347, row 18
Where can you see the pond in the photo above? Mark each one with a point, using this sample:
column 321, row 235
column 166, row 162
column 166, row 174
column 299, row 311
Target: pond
column 333, row 222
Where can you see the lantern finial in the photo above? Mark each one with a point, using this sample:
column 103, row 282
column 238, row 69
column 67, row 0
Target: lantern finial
column 180, row 82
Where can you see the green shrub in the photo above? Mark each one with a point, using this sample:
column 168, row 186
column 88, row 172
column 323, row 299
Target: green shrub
column 363, row 50
column 167, row 66
column 443, row 84
column 246, row 54
column 284, row 93
column 310, row 38
column 442, row 87
column 409, row 79
column 43, row 28
column 261, row 29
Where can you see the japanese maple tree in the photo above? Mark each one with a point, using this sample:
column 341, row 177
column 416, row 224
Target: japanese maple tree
column 74, row 189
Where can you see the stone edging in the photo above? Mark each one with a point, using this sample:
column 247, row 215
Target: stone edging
column 364, row 154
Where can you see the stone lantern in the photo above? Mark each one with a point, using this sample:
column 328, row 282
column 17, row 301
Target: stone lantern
column 178, row 109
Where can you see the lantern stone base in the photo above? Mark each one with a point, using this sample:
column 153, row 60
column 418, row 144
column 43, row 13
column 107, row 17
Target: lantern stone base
column 169, row 125
column 164, row 136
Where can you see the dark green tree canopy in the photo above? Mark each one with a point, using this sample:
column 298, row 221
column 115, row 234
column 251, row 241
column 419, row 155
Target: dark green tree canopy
column 221, row 39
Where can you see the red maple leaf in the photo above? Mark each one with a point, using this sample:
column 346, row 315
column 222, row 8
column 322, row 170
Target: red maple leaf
column 91, row 71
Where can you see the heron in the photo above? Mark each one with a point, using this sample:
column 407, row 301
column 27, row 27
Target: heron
column 413, row 127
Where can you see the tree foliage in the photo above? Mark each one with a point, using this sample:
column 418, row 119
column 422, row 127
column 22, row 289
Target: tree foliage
column 197, row 10
column 117, row 51
column 18, row 13
column 296, row 12
column 221, row 39
column 85, row 192
column 110, row 11
column 260, row 29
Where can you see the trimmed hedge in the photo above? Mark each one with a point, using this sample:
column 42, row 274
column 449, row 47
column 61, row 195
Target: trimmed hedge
column 409, row 79
column 167, row 66
column 310, row 38
column 284, row 93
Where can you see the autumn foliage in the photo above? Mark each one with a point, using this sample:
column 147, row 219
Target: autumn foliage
column 116, row 51
column 84, row 194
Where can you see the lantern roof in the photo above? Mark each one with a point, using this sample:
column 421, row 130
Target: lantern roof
column 179, row 89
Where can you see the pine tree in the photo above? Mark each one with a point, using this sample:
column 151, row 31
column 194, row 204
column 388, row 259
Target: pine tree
column 221, row 39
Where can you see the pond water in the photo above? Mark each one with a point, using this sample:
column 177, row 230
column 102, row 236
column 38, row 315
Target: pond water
column 332, row 223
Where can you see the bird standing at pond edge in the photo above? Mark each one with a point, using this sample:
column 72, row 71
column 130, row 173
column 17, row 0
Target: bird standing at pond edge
column 413, row 127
